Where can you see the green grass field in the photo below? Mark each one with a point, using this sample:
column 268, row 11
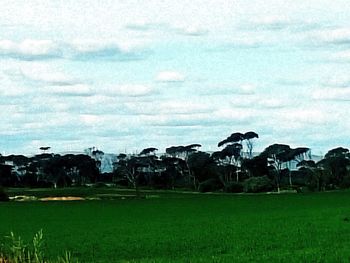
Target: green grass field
column 189, row 227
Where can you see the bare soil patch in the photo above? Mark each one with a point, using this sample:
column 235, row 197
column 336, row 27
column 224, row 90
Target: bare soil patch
column 62, row 198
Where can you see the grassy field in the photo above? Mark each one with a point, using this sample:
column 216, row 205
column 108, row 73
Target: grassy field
column 188, row 227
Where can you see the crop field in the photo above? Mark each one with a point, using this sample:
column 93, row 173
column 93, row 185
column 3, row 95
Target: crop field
column 180, row 227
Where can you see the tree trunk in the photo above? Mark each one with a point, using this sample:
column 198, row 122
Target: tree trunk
column 195, row 184
column 290, row 178
column 137, row 190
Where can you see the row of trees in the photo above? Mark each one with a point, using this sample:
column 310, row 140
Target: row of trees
column 48, row 170
column 234, row 168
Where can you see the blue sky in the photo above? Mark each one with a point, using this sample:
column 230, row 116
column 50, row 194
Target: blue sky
column 126, row 75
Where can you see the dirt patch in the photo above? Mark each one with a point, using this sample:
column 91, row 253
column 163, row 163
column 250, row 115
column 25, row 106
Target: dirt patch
column 62, row 198
column 22, row 198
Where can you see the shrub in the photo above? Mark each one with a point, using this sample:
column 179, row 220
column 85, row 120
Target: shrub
column 305, row 189
column 233, row 187
column 3, row 195
column 100, row 185
column 257, row 184
column 345, row 183
column 210, row 185
column 16, row 250
column 313, row 184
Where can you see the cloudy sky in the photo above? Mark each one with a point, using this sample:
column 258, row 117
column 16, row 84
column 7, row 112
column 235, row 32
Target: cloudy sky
column 129, row 74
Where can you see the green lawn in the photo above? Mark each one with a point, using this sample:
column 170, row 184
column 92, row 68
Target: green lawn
column 190, row 228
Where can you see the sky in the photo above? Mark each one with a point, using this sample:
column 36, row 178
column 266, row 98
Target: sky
column 129, row 74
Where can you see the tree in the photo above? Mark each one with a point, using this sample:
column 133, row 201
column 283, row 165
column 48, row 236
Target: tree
column 338, row 152
column 227, row 169
column 256, row 166
column 174, row 169
column 82, row 169
column 151, row 161
column 183, row 152
column 275, row 155
column 238, row 137
column 202, row 168
column 148, row 151
column 44, row 148
column 130, row 168
column 233, row 138
column 315, row 175
column 231, row 154
column 249, row 139
column 336, row 164
column 298, row 154
column 6, row 177
column 3, row 196
column 279, row 155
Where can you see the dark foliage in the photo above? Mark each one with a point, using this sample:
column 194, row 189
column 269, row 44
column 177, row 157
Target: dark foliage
column 257, row 184
column 202, row 167
column 3, row 196
column 148, row 151
column 256, row 166
column 210, row 185
column 233, row 187
column 337, row 152
column 345, row 183
column 234, row 137
column 233, row 168
column 7, row 178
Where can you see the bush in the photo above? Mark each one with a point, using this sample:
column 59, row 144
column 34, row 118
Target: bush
column 257, row 184
column 210, row 185
column 100, row 185
column 305, row 189
column 3, row 195
column 233, row 187
column 16, row 250
column 345, row 183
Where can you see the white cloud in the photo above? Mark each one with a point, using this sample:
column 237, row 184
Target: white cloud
column 106, row 49
column 93, row 45
column 170, row 76
column 338, row 36
column 70, row 90
column 336, row 94
column 29, row 48
column 45, row 74
column 191, row 30
column 248, row 40
column 279, row 22
column 39, row 49
column 263, row 102
column 338, row 80
column 272, row 103
column 169, row 107
column 236, row 115
column 128, row 90
column 342, row 56
column 9, row 88
column 247, row 89
column 273, row 22
column 81, row 44
column 183, row 107
column 90, row 119
column 304, row 116
column 237, row 89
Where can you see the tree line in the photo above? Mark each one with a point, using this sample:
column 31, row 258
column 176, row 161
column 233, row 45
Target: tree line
column 233, row 168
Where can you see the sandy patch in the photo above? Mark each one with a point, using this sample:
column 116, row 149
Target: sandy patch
column 62, row 198
column 22, row 198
